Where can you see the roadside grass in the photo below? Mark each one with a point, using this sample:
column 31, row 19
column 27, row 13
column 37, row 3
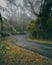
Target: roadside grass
column 40, row 41
column 11, row 54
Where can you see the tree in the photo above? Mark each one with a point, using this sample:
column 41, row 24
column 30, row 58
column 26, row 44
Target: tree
column 50, row 23
column 30, row 5
column 11, row 10
column 33, row 28
column 1, row 31
column 44, row 8
column 44, row 13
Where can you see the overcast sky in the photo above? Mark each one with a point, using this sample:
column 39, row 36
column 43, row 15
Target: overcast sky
column 3, row 3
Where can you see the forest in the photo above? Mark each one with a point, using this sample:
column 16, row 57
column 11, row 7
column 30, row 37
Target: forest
column 25, row 32
column 40, row 28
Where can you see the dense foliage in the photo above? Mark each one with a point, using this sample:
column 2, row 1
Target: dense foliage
column 43, row 22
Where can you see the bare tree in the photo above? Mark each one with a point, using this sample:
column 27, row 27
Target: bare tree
column 32, row 5
column 11, row 7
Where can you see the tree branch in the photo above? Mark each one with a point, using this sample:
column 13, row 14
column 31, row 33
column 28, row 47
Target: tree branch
column 38, row 15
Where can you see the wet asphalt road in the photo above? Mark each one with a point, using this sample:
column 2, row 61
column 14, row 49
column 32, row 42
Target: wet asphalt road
column 43, row 49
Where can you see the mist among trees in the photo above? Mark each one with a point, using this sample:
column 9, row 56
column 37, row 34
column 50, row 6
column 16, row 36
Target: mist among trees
column 32, row 16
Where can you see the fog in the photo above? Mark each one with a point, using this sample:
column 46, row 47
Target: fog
column 16, row 10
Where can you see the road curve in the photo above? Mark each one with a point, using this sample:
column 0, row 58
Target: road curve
column 43, row 49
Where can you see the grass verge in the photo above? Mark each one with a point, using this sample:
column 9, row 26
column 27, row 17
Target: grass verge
column 40, row 41
column 14, row 55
